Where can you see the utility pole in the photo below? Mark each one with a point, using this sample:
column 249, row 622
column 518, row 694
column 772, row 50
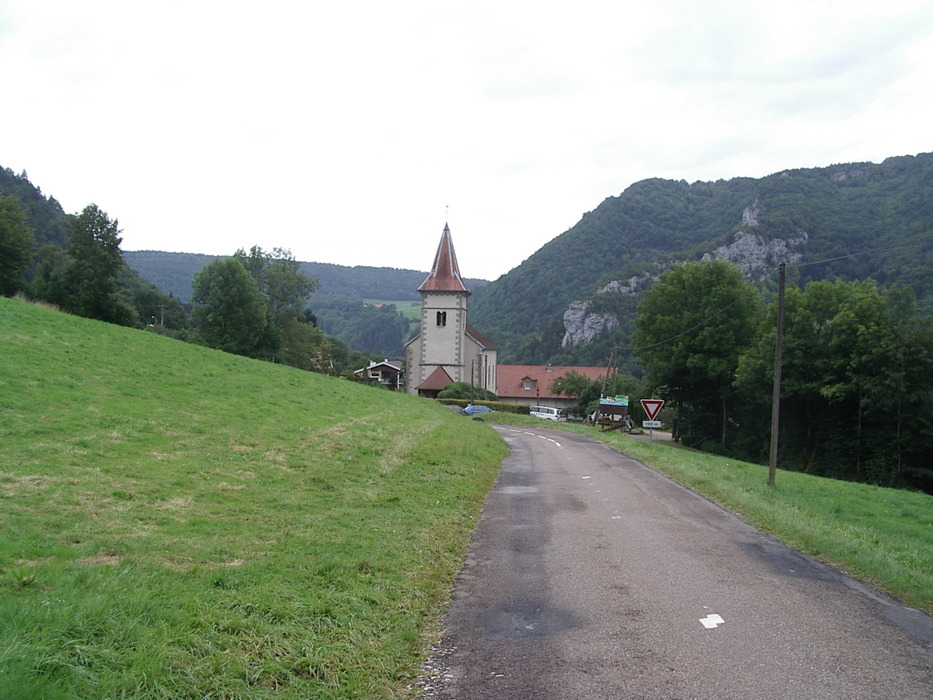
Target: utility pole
column 776, row 394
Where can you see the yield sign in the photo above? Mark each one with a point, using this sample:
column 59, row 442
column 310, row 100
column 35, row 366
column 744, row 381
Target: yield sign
column 652, row 407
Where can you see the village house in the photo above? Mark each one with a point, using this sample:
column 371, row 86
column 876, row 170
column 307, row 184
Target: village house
column 534, row 384
column 386, row 373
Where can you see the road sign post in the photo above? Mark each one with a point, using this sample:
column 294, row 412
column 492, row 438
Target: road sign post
column 652, row 409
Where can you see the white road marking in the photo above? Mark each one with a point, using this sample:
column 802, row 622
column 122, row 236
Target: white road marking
column 543, row 437
column 711, row 621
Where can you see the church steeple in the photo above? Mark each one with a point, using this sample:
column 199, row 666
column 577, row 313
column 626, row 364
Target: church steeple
column 447, row 349
column 445, row 275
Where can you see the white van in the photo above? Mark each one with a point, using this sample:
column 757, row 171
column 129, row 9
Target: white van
column 547, row 412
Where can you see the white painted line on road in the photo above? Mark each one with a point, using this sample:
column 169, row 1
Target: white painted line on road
column 516, row 490
column 586, row 477
column 711, row 621
column 543, row 437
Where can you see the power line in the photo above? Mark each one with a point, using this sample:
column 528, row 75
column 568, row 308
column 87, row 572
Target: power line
column 862, row 252
column 689, row 330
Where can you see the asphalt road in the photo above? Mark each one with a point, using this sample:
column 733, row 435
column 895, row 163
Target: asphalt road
column 592, row 577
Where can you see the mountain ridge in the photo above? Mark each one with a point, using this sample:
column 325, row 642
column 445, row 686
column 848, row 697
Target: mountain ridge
column 821, row 216
column 173, row 273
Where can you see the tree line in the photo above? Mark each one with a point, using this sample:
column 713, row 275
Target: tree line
column 857, row 372
column 856, row 394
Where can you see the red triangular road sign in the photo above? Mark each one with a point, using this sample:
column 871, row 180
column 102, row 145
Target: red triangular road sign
column 652, row 407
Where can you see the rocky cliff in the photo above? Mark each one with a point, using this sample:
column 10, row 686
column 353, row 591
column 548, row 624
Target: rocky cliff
column 755, row 256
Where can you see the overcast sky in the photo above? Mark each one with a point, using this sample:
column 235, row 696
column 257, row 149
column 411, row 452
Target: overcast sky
column 349, row 132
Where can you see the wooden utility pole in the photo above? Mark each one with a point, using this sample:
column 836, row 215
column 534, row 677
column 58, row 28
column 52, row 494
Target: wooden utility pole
column 776, row 394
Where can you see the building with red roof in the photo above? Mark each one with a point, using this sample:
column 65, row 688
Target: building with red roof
column 534, row 384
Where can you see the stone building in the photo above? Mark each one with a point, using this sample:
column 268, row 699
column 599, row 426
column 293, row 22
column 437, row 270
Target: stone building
column 447, row 349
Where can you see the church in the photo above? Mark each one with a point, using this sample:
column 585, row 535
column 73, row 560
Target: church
column 448, row 349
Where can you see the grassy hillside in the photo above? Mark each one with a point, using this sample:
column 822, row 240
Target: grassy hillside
column 178, row 522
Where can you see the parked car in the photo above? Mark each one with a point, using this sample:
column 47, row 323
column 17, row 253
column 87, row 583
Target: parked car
column 472, row 410
column 548, row 412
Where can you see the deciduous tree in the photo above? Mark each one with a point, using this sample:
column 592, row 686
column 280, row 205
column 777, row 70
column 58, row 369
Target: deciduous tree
column 90, row 280
column 692, row 326
column 230, row 311
column 857, row 385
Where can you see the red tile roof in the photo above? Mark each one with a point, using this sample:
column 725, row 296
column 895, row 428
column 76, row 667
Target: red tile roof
column 480, row 338
column 510, row 379
column 436, row 381
column 445, row 275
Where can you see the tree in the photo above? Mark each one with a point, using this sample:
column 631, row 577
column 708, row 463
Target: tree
column 286, row 289
column 16, row 245
column 230, row 311
column 692, row 326
column 280, row 278
column 304, row 345
column 857, row 385
column 48, row 281
column 90, row 279
column 572, row 384
column 157, row 310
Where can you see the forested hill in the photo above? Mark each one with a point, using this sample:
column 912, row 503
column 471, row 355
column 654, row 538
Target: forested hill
column 45, row 215
column 852, row 222
column 173, row 272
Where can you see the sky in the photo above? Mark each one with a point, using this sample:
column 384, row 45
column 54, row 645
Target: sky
column 351, row 132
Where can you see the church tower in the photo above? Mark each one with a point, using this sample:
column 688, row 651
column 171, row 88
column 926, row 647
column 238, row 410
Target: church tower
column 447, row 349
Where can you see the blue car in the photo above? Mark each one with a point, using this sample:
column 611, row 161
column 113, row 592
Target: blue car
column 472, row 410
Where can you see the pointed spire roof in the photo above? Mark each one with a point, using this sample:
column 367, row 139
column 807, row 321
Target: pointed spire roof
column 445, row 275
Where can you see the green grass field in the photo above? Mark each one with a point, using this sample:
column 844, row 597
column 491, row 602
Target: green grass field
column 182, row 523
column 409, row 309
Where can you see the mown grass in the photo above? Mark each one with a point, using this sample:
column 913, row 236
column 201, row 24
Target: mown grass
column 181, row 523
column 881, row 536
